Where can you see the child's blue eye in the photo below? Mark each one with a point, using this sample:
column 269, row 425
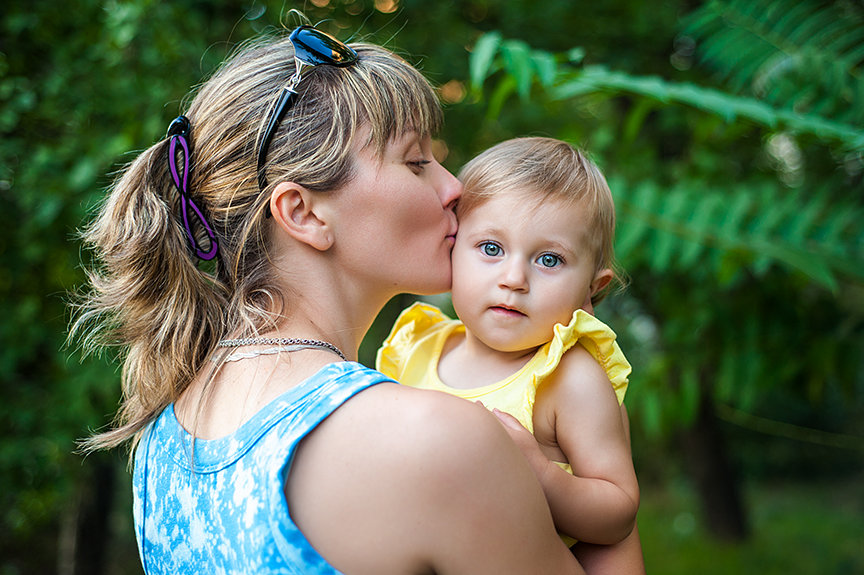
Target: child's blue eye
column 549, row 260
column 491, row 249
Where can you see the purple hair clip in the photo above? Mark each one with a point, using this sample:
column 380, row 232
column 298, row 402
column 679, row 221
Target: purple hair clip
column 179, row 132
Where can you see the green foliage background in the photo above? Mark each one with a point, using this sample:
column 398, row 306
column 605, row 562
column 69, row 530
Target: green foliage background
column 731, row 133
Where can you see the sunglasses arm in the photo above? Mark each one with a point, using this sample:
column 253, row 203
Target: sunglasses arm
column 286, row 99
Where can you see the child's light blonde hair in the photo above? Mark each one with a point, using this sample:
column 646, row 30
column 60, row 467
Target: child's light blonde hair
column 540, row 168
column 148, row 296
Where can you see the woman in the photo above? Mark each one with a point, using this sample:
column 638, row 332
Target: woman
column 312, row 186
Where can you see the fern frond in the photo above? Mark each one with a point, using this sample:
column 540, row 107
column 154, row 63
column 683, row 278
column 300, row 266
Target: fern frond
column 690, row 226
column 727, row 106
column 521, row 66
column 801, row 55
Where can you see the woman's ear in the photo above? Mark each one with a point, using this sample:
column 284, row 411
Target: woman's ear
column 296, row 210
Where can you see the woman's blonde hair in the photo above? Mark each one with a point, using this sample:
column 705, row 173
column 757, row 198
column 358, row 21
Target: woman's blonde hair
column 541, row 168
column 148, row 296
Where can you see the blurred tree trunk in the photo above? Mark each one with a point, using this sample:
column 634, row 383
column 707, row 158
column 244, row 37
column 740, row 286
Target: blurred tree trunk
column 86, row 535
column 707, row 462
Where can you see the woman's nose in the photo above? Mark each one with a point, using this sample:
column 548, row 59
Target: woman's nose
column 449, row 189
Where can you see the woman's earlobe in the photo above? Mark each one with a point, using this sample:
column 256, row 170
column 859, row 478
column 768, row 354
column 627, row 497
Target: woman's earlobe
column 295, row 211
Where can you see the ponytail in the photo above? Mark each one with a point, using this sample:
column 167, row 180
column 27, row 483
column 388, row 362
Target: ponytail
column 148, row 296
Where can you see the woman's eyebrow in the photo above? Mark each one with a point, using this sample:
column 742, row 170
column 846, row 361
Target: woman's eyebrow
column 407, row 140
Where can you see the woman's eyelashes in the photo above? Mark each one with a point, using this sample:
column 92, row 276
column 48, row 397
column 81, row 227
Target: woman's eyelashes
column 418, row 165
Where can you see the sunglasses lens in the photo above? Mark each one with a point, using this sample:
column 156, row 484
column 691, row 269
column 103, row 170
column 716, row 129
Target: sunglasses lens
column 311, row 47
column 314, row 47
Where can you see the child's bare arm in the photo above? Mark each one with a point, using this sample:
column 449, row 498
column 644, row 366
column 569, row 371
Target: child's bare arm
column 576, row 410
column 622, row 558
column 598, row 503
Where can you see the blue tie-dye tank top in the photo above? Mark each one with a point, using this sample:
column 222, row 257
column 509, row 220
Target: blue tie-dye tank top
column 229, row 513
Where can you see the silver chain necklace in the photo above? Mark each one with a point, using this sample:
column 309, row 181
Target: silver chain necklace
column 283, row 341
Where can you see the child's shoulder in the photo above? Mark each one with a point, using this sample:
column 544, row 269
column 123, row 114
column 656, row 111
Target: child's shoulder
column 578, row 391
column 579, row 380
column 579, row 370
column 590, row 353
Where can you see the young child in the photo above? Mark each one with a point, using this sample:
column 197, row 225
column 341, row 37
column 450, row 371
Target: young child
column 534, row 247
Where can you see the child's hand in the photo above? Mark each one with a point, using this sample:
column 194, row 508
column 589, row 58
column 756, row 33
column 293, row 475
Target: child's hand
column 526, row 443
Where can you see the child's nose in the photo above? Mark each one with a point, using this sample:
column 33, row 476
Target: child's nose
column 513, row 276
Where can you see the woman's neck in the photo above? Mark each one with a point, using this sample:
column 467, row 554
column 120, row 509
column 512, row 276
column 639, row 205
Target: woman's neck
column 328, row 305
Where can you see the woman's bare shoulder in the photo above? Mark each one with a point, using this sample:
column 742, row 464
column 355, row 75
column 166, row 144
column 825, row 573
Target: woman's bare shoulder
column 402, row 433
column 421, row 473
column 387, row 456
column 409, row 422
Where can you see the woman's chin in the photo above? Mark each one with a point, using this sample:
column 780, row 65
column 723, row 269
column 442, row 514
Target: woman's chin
column 440, row 285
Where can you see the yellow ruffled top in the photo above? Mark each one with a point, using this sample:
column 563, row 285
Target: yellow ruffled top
column 411, row 352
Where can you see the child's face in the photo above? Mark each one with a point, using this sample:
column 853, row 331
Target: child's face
column 518, row 269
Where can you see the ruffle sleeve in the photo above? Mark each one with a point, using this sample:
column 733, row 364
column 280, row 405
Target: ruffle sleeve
column 598, row 339
column 414, row 320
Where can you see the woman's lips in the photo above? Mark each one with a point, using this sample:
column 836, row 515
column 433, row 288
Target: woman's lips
column 452, row 235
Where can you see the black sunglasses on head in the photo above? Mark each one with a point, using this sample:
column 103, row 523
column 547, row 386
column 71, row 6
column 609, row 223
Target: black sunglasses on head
column 311, row 48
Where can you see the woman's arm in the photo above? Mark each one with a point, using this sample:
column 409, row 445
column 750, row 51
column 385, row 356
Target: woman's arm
column 400, row 480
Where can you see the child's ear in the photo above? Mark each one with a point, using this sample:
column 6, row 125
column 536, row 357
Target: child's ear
column 601, row 280
column 296, row 210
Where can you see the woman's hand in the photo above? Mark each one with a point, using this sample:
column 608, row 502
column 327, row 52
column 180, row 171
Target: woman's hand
column 526, row 443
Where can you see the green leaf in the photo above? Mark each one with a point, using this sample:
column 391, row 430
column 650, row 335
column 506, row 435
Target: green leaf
column 572, row 88
column 635, row 119
column 575, row 55
column 640, row 202
column 791, row 55
column 517, row 61
column 482, row 57
column 812, row 265
column 545, row 66
column 499, row 96
column 598, row 79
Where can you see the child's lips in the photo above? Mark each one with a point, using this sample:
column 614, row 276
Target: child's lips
column 506, row 311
